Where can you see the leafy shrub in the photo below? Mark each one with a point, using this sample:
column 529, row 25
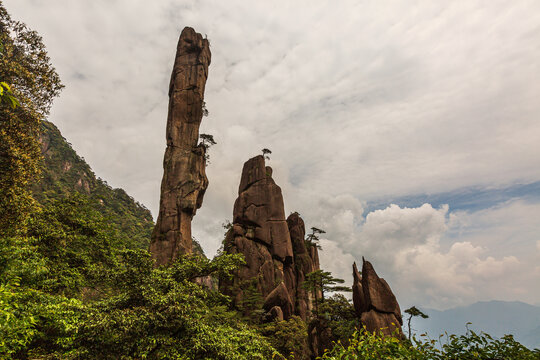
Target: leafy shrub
column 365, row 345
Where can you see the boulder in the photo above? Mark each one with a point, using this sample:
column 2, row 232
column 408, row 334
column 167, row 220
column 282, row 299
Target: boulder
column 279, row 297
column 275, row 313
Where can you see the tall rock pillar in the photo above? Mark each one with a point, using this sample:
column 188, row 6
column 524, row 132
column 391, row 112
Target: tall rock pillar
column 184, row 176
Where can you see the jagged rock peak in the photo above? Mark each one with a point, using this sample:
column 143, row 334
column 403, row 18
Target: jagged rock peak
column 254, row 170
column 184, row 177
column 374, row 302
column 276, row 256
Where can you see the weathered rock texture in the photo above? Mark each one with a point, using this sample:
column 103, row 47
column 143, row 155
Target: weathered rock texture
column 374, row 302
column 184, row 178
column 277, row 259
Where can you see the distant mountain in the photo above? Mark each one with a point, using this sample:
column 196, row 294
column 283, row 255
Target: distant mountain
column 64, row 173
column 496, row 318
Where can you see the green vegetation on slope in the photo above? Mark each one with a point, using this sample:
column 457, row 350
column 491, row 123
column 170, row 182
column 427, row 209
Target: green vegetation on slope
column 64, row 172
column 71, row 290
column 25, row 67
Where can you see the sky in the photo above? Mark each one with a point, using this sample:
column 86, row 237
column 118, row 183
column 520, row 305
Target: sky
column 408, row 130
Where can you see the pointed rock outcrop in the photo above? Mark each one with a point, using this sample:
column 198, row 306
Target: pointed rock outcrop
column 184, row 177
column 374, row 302
column 277, row 259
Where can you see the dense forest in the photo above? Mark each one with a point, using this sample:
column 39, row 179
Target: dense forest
column 77, row 280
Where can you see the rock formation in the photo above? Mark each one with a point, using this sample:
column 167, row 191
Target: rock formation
column 184, row 177
column 374, row 302
column 277, row 259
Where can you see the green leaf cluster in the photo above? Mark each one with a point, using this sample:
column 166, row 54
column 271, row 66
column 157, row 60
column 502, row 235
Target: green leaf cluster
column 33, row 84
column 289, row 337
column 71, row 290
column 163, row 314
column 6, row 95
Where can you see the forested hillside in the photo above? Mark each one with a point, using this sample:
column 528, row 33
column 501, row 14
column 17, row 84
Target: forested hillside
column 64, row 173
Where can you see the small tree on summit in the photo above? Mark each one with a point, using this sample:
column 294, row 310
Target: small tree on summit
column 266, row 152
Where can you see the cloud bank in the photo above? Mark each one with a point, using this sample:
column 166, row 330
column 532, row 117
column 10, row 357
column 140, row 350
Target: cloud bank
column 358, row 102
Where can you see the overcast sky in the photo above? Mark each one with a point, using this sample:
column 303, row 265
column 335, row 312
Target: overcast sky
column 408, row 130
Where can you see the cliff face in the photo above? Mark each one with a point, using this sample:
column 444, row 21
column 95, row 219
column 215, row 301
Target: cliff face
column 374, row 302
column 277, row 259
column 184, row 177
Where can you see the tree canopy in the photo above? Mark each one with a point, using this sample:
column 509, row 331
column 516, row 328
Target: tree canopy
column 28, row 76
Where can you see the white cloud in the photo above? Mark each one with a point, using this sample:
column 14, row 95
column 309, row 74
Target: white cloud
column 357, row 101
column 417, row 251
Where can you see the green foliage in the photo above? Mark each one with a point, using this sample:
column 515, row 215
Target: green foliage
column 480, row 346
column 312, row 239
column 64, row 172
column 251, row 304
column 289, row 337
column 76, row 243
column 162, row 313
column 413, row 312
column 207, row 140
column 77, row 283
column 71, row 291
column 25, row 66
column 365, row 345
column 33, row 322
column 16, row 325
column 336, row 313
column 6, row 95
column 47, row 273
column 320, row 281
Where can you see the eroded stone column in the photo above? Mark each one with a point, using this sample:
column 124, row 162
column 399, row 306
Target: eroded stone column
column 184, row 177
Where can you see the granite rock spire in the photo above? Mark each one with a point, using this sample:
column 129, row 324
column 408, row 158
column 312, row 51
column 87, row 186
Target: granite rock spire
column 184, row 177
column 277, row 259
